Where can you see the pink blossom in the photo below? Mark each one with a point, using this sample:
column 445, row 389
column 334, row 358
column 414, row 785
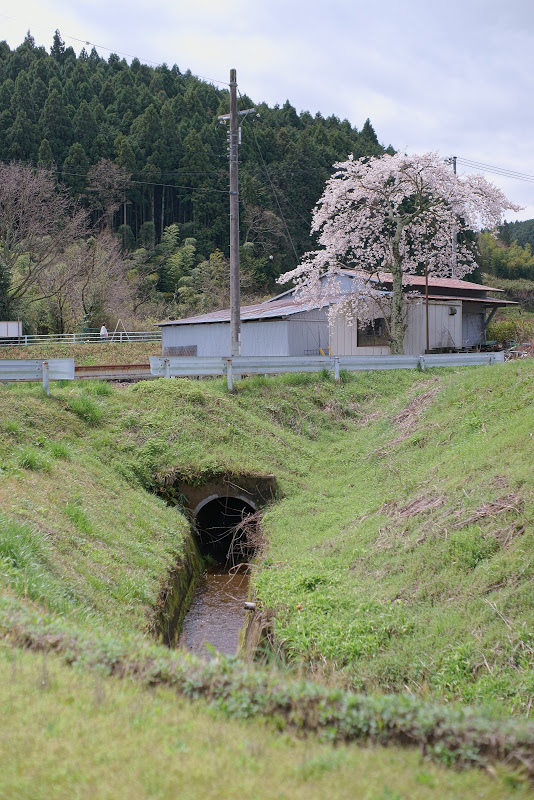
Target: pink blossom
column 393, row 214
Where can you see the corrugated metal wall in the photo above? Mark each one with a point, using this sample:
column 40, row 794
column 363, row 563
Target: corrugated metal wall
column 472, row 325
column 266, row 338
column 308, row 333
column 444, row 326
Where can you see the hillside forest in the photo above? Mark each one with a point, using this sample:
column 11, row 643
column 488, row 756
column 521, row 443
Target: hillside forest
column 130, row 165
column 140, row 150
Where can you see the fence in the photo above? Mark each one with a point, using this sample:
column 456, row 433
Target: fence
column 55, row 369
column 271, row 365
column 85, row 337
column 63, row 368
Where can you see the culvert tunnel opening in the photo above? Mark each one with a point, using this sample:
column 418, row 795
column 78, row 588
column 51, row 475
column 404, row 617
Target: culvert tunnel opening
column 226, row 530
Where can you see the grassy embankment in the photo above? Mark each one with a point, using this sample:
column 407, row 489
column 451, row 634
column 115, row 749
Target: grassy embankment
column 89, row 354
column 404, row 534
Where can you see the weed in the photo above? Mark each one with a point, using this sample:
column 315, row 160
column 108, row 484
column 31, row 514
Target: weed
column 98, row 388
column 32, row 459
column 59, row 450
column 77, row 516
column 12, row 426
column 85, row 408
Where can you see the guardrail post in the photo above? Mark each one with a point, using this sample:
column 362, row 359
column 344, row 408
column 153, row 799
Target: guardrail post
column 422, row 363
column 46, row 378
column 229, row 377
column 167, row 367
column 336, row 369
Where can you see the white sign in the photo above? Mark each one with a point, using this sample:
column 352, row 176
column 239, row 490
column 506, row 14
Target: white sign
column 10, row 330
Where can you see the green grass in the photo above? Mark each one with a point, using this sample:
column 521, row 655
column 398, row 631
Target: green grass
column 399, row 554
column 69, row 733
column 89, row 354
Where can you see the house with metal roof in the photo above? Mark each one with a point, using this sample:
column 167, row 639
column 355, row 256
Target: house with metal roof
column 458, row 314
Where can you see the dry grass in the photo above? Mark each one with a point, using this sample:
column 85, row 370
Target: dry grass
column 503, row 505
column 407, row 419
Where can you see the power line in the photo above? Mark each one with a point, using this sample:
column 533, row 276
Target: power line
column 138, row 183
column 103, row 47
column 275, row 195
column 504, row 171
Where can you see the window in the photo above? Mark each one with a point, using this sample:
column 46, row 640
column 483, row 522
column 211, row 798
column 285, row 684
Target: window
column 373, row 334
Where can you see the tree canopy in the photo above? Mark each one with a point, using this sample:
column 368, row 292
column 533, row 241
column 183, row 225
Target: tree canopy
column 140, row 150
column 397, row 214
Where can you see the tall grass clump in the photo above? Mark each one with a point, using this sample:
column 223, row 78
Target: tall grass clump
column 98, row 388
column 86, row 409
column 25, row 565
column 59, row 450
column 78, row 517
column 31, row 458
column 12, row 426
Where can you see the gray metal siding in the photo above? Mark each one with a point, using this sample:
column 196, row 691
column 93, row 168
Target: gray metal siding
column 265, row 338
column 472, row 325
column 308, row 333
column 269, row 337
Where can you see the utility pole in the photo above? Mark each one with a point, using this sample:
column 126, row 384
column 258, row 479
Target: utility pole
column 452, row 160
column 235, row 288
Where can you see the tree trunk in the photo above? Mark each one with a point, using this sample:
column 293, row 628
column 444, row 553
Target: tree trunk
column 397, row 304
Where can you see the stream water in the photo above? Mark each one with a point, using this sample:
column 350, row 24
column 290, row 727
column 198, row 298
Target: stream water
column 217, row 612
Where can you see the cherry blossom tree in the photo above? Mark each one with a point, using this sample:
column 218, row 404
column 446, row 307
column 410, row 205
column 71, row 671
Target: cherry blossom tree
column 395, row 214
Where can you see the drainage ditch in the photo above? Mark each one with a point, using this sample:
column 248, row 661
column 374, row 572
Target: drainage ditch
column 225, row 529
column 205, row 601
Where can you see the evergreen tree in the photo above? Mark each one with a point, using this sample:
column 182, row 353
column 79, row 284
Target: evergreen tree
column 74, row 170
column 57, row 51
column 45, row 157
column 56, row 125
column 21, row 138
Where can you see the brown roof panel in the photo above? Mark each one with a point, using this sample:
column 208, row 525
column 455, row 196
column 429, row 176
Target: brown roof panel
column 442, row 283
column 280, row 308
column 488, row 301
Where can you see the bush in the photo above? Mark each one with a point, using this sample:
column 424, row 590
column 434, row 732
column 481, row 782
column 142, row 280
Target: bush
column 510, row 331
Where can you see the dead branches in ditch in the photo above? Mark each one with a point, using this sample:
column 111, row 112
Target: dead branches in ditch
column 247, row 540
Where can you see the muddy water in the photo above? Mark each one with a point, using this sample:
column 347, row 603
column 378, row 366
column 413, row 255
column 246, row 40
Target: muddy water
column 217, row 613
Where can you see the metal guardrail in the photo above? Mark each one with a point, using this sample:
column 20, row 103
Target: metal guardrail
column 461, row 359
column 53, row 369
column 179, row 366
column 114, row 372
column 58, row 369
column 119, row 337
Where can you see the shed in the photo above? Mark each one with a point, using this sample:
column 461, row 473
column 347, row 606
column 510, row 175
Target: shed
column 280, row 327
column 458, row 315
column 458, row 311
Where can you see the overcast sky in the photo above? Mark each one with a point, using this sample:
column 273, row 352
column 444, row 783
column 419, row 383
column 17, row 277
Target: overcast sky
column 453, row 77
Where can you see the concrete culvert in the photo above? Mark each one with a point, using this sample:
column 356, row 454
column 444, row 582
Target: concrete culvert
column 224, row 527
